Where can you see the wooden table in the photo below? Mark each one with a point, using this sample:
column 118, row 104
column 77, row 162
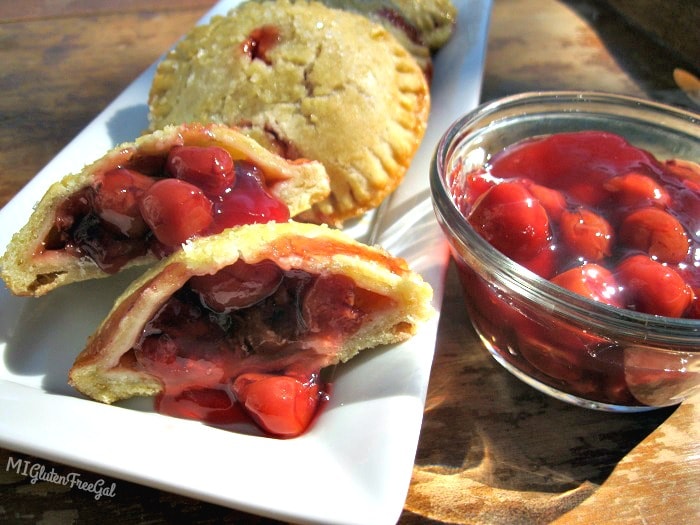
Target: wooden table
column 492, row 450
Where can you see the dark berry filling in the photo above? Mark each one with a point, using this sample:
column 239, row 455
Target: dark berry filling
column 399, row 21
column 251, row 337
column 154, row 204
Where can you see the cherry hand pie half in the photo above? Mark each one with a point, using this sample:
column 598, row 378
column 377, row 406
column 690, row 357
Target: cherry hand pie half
column 248, row 318
column 142, row 200
column 304, row 80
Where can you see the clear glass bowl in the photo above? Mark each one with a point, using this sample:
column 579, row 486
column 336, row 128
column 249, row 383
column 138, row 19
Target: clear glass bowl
column 570, row 347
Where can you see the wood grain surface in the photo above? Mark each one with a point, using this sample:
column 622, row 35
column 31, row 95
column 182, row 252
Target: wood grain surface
column 492, row 450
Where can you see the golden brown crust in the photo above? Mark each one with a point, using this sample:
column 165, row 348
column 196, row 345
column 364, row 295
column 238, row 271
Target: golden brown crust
column 100, row 370
column 29, row 270
column 331, row 86
column 424, row 23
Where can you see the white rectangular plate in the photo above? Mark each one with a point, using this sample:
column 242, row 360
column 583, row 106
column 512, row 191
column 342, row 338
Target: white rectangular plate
column 353, row 466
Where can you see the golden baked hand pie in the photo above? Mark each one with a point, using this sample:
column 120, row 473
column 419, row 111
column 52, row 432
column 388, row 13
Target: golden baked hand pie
column 421, row 26
column 219, row 320
column 305, row 81
column 141, row 200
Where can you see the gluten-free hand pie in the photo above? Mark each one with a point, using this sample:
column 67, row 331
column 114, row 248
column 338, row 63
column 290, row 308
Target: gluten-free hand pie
column 422, row 26
column 304, row 80
column 141, row 200
column 250, row 316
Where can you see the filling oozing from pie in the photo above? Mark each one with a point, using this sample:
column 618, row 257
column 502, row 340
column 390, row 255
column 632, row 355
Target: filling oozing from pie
column 152, row 204
column 396, row 19
column 251, row 339
column 260, row 42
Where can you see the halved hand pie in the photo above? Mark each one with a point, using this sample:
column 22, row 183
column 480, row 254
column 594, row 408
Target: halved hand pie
column 251, row 316
column 141, row 200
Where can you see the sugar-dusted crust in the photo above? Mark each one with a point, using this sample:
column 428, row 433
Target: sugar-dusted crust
column 323, row 84
column 422, row 27
column 102, row 372
column 428, row 23
column 29, row 270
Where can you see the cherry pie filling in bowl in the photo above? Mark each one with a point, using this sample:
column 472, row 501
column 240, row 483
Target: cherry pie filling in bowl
column 577, row 247
column 605, row 220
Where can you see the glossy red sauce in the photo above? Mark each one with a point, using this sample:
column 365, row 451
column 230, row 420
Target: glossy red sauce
column 602, row 218
column 249, row 343
column 154, row 204
column 260, row 42
column 566, row 201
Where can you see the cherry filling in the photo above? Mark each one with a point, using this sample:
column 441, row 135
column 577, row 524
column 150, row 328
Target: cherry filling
column 251, row 339
column 154, row 204
column 260, row 42
column 399, row 21
column 571, row 200
column 600, row 217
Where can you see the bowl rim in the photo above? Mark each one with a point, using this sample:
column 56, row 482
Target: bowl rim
column 675, row 333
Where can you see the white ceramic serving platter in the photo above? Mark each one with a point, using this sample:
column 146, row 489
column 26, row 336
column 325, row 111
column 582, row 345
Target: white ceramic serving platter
column 353, row 466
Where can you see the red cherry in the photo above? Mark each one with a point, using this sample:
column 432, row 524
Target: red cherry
column 694, row 310
column 557, row 351
column 634, row 189
column 176, row 211
column 553, row 201
column 686, row 171
column 652, row 287
column 237, row 286
column 591, row 281
column 281, row 405
column 116, row 200
column 207, row 167
column 512, row 220
column 467, row 188
column 585, row 193
column 586, row 234
column 544, row 263
column 657, row 233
